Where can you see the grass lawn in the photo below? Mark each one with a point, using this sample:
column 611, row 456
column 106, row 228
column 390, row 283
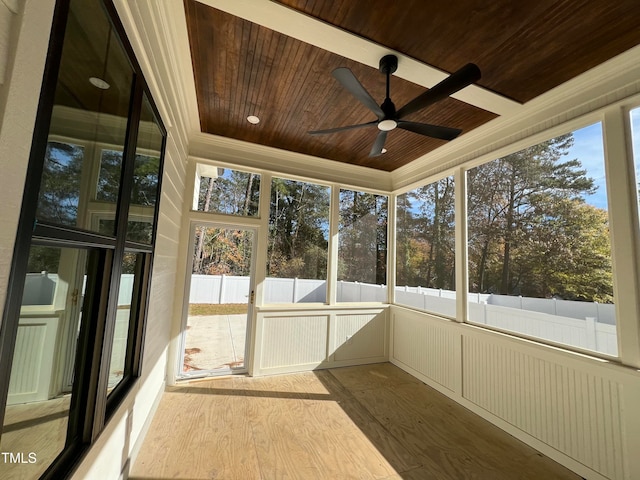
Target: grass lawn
column 217, row 309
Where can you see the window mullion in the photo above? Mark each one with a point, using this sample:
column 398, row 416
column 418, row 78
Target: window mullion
column 122, row 213
column 624, row 234
column 461, row 244
column 332, row 264
column 391, row 249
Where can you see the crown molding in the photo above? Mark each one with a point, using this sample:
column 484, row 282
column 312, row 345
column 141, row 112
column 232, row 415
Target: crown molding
column 254, row 156
column 608, row 83
column 310, row 30
column 157, row 32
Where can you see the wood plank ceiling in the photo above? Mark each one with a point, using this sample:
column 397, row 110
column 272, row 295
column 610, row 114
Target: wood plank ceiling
column 523, row 49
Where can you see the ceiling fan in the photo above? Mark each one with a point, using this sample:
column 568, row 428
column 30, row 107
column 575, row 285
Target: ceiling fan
column 388, row 117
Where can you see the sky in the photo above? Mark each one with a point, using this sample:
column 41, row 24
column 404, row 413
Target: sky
column 588, row 148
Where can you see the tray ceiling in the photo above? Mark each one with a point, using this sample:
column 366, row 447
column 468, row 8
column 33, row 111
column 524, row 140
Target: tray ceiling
column 523, row 49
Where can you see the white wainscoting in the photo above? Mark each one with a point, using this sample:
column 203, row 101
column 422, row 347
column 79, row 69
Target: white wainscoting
column 296, row 340
column 33, row 358
column 427, row 348
column 581, row 411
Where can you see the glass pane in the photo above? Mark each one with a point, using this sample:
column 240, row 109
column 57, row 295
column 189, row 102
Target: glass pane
column 91, row 106
column 298, row 242
column 216, row 333
column 40, row 389
column 362, row 250
column 109, row 176
column 425, row 251
column 539, row 248
column 221, row 190
column 128, row 281
column 145, row 177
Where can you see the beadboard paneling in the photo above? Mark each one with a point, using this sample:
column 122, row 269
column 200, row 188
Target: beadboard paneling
column 293, row 341
column 289, row 341
column 359, row 336
column 428, row 347
column 577, row 412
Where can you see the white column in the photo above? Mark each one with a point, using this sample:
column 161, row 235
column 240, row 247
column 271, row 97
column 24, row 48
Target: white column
column 625, row 241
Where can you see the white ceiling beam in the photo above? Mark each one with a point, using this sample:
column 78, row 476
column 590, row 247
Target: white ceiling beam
column 323, row 35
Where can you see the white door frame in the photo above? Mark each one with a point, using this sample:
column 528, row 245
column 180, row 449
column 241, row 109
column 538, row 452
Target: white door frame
column 180, row 375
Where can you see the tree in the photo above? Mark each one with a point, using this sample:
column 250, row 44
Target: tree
column 362, row 252
column 59, row 196
column 569, row 256
column 234, row 193
column 425, row 236
column 223, row 252
column 298, row 230
column 526, row 211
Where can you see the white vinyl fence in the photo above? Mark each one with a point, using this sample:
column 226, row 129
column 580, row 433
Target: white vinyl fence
column 587, row 325
column 233, row 289
column 581, row 324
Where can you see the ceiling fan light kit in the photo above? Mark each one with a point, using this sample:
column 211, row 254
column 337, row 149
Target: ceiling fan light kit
column 388, row 117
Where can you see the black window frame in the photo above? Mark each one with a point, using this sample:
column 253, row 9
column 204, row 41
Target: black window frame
column 91, row 406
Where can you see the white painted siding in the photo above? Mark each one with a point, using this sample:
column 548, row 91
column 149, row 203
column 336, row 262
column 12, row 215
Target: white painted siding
column 20, row 92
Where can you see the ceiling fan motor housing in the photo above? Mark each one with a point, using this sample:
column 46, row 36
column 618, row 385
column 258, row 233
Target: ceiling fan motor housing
column 388, row 64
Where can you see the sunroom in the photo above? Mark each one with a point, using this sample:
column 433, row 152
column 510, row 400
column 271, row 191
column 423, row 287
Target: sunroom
column 170, row 222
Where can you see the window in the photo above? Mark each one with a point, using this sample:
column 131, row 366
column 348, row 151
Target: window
column 221, row 190
column 539, row 249
column 51, row 315
column 298, row 242
column 425, row 248
column 362, row 249
column 72, row 333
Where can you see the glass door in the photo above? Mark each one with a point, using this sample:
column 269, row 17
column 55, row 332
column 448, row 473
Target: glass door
column 220, row 301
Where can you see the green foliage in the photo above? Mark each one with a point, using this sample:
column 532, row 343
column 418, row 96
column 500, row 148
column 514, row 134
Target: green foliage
column 425, row 236
column 233, row 192
column 222, row 251
column 362, row 234
column 531, row 232
column 60, row 188
column 298, row 230
column 43, row 259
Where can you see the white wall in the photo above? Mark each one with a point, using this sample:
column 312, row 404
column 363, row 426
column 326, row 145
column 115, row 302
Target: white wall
column 27, row 40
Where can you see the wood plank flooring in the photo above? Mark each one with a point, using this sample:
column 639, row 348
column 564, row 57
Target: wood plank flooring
column 365, row 422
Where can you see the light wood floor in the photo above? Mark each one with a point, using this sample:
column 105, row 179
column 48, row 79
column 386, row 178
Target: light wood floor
column 39, row 428
column 365, row 422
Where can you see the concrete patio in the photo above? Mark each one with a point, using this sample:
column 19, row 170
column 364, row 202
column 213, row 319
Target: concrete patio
column 214, row 343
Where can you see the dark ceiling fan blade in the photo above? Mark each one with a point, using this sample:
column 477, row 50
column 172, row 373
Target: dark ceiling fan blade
column 467, row 75
column 376, row 150
column 351, row 83
column 341, row 129
column 435, row 131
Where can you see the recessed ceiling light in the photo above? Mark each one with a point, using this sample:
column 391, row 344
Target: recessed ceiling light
column 253, row 119
column 384, row 150
column 99, row 83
